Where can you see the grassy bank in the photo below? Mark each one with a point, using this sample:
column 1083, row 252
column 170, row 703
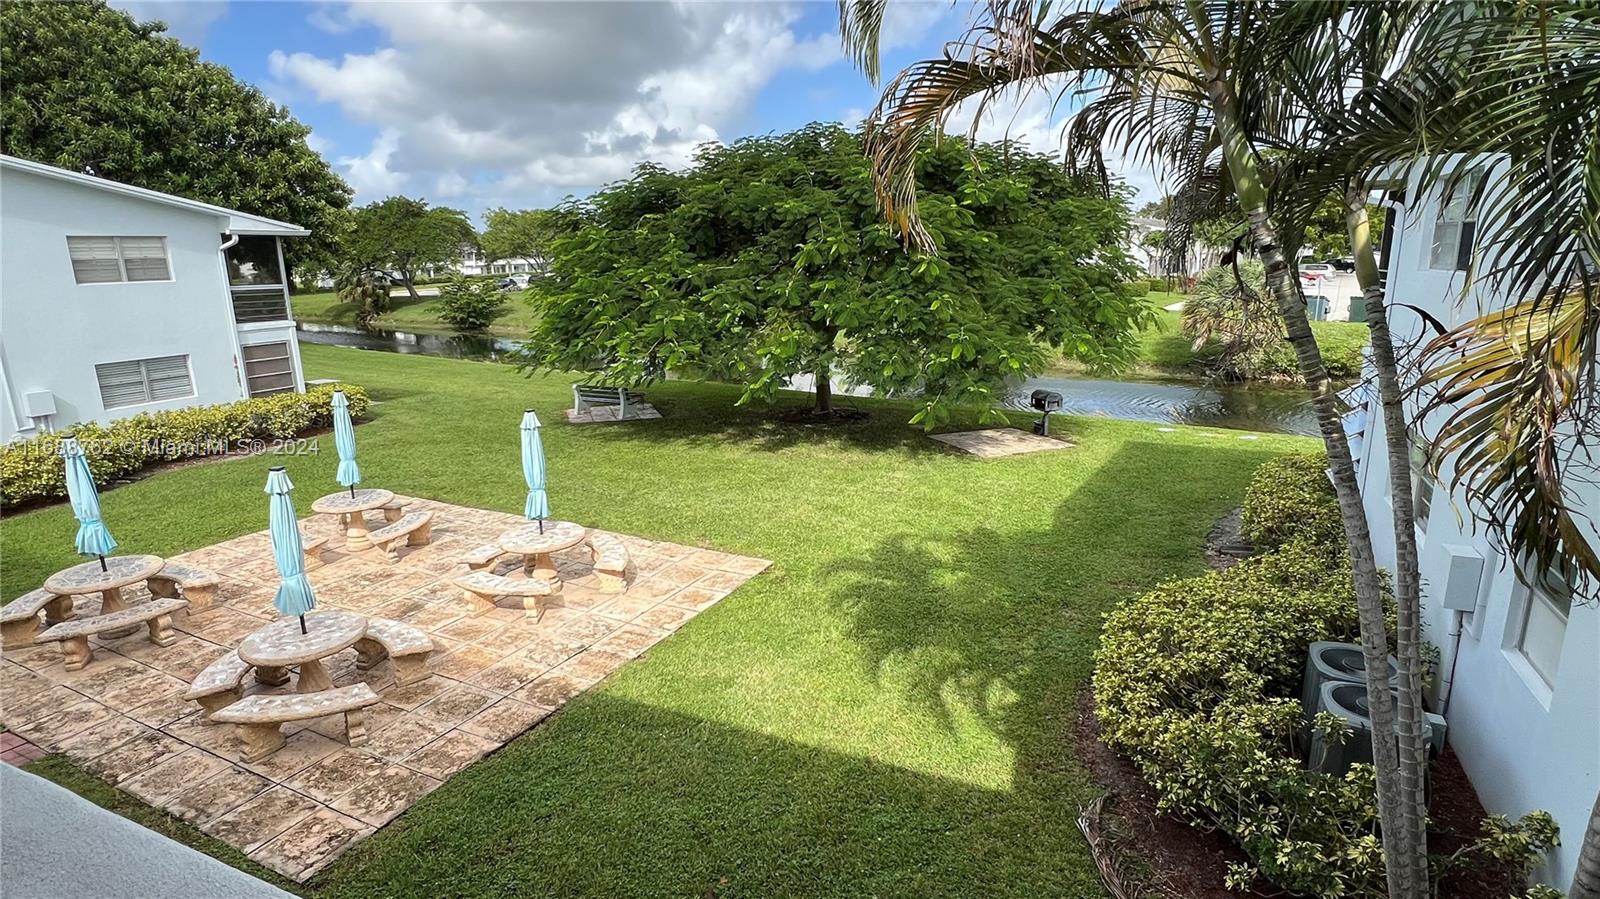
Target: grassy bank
column 406, row 314
column 887, row 711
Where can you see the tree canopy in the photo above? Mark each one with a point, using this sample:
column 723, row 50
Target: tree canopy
column 524, row 233
column 88, row 88
column 406, row 236
column 769, row 258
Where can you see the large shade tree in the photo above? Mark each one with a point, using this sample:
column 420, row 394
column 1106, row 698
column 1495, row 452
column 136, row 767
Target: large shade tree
column 90, row 89
column 405, row 237
column 768, row 258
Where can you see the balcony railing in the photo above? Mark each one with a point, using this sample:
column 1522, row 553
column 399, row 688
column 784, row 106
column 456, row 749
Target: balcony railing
column 258, row 304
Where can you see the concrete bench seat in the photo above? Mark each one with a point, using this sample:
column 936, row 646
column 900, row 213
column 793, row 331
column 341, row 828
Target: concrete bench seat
column 220, row 685
column 313, row 547
column 74, row 635
column 393, row 511
column 484, row 557
column 586, row 395
column 416, row 529
column 19, row 618
column 610, row 562
column 406, row 647
column 481, row 587
column 196, row 585
column 259, row 717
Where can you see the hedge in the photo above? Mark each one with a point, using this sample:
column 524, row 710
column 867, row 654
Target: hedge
column 1196, row 682
column 31, row 470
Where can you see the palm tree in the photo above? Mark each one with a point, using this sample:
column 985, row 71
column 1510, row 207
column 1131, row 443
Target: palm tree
column 1217, row 91
column 364, row 287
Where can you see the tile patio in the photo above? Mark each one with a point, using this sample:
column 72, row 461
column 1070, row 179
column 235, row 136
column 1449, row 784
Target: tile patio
column 994, row 443
column 496, row 675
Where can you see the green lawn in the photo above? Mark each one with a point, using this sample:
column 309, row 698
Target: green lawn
column 888, row 710
column 411, row 315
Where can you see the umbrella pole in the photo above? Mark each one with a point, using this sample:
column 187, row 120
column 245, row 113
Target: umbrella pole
column 541, row 525
column 352, row 491
column 103, row 563
column 302, row 624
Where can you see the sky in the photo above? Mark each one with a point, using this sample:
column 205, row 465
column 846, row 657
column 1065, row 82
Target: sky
column 520, row 104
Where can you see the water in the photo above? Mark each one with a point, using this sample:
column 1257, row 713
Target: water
column 1269, row 409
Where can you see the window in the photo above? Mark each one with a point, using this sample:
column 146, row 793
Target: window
column 140, row 381
column 268, row 368
column 1421, row 485
column 1456, row 224
column 253, row 262
column 105, row 260
column 1544, row 623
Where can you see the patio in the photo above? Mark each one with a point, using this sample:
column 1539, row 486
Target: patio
column 495, row 675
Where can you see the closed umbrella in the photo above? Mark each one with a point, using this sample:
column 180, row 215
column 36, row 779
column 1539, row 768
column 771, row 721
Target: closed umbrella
column 344, row 440
column 93, row 537
column 294, row 594
column 538, row 504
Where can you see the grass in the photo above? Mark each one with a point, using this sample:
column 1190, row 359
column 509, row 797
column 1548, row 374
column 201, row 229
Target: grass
column 889, row 710
column 407, row 314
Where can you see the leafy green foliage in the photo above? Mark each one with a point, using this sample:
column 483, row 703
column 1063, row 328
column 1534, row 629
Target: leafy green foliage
column 1235, row 328
column 31, row 470
column 769, row 258
column 525, row 233
column 405, row 236
column 88, row 88
column 365, row 288
column 1290, row 498
column 470, row 305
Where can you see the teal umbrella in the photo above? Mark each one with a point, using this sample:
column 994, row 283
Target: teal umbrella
column 294, row 594
column 93, row 537
column 344, row 440
column 538, row 505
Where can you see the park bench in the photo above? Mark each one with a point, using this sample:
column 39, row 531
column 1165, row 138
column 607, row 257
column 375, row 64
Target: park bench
column 484, row 557
column 586, row 395
column 393, row 510
column 405, row 646
column 313, row 547
column 74, row 635
column 482, row 587
column 19, row 618
column 610, row 562
column 197, row 585
column 220, row 685
column 261, row 716
column 416, row 528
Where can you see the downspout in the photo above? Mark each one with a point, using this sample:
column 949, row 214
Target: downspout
column 233, row 323
column 1449, row 679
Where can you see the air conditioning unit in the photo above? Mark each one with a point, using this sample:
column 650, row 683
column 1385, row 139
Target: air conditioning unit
column 1331, row 662
column 1349, row 701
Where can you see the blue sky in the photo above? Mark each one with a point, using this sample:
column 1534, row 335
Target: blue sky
column 520, row 104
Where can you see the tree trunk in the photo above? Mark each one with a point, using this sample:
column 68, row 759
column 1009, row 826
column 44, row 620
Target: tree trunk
column 1413, row 748
column 824, row 391
column 1403, row 861
column 1586, row 880
column 409, row 280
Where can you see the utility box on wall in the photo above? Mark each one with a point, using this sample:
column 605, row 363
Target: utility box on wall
column 1463, row 578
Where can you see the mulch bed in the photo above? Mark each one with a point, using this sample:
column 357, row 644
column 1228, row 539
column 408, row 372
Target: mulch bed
column 1192, row 862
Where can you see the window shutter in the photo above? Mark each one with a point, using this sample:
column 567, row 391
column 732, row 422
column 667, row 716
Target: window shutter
column 94, row 259
column 168, row 377
column 145, row 258
column 269, row 368
column 121, row 384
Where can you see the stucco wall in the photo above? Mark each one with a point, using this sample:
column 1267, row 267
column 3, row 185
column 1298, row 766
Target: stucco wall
column 1523, row 744
column 54, row 331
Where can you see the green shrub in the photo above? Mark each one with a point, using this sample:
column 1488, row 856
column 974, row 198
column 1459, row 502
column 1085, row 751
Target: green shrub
column 470, row 305
column 1290, row 497
column 31, row 470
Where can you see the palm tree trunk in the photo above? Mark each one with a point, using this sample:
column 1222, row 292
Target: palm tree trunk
column 1413, row 749
column 1403, row 860
column 1586, row 880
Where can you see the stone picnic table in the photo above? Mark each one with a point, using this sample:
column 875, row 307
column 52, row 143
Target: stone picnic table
column 349, row 507
column 535, row 546
column 120, row 571
column 280, row 646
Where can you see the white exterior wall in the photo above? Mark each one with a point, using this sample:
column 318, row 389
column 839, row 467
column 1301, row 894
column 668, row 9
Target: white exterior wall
column 53, row 331
column 1523, row 744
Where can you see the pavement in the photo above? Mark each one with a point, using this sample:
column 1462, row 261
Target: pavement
column 57, row 845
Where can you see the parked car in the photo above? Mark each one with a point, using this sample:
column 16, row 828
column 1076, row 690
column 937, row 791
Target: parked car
column 1316, row 271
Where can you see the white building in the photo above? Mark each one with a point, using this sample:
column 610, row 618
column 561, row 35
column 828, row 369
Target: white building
column 1524, row 703
column 473, row 262
column 116, row 300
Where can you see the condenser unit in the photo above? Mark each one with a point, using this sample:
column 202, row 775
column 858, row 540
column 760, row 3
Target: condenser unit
column 1349, row 701
column 1330, row 662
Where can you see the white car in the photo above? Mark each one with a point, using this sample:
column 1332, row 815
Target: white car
column 1316, row 271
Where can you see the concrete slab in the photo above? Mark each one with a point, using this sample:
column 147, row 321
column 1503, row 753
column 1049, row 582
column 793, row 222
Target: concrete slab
column 57, row 845
column 994, row 443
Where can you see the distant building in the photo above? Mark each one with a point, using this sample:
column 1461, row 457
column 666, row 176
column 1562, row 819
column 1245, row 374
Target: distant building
column 118, row 300
column 473, row 262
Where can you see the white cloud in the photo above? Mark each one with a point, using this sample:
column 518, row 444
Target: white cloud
column 187, row 20
column 496, row 98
